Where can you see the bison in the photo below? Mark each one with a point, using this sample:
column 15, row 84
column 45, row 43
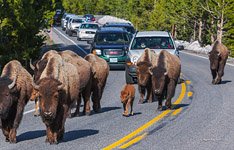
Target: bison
column 146, row 60
column 218, row 57
column 85, row 76
column 100, row 71
column 58, row 88
column 15, row 91
column 38, row 69
column 127, row 97
column 165, row 75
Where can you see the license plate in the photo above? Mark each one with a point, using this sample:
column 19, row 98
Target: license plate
column 113, row 60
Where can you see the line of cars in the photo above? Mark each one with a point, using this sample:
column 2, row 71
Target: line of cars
column 118, row 42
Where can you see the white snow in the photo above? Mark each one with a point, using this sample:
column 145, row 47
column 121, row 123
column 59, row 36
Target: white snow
column 107, row 18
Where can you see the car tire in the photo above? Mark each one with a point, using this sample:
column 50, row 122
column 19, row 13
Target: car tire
column 63, row 29
column 70, row 33
column 129, row 79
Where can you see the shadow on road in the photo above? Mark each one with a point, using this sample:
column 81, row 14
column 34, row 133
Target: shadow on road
column 226, row 81
column 31, row 135
column 106, row 109
column 179, row 106
column 76, row 134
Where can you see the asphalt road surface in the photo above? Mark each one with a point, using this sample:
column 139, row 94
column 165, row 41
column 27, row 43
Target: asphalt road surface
column 201, row 119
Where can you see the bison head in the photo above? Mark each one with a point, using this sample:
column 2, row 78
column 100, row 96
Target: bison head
column 159, row 76
column 49, row 92
column 8, row 96
column 143, row 73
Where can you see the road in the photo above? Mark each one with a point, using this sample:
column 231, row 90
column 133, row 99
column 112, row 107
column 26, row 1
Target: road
column 202, row 118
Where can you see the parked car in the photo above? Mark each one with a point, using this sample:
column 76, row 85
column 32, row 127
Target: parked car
column 73, row 25
column 57, row 18
column 89, row 18
column 87, row 31
column 111, row 44
column 128, row 26
column 155, row 40
column 65, row 23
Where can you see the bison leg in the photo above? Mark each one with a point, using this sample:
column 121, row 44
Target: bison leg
column 5, row 130
column 77, row 112
column 124, row 107
column 86, row 96
column 170, row 92
column 36, row 113
column 142, row 94
column 12, row 135
column 220, row 72
column 214, row 74
column 160, row 103
column 149, row 94
column 96, row 100
column 131, row 102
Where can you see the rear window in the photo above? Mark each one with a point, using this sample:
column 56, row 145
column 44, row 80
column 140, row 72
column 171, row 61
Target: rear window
column 89, row 26
column 112, row 38
column 152, row 43
column 77, row 21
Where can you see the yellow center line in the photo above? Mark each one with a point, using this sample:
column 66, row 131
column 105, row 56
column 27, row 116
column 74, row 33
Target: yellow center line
column 188, row 82
column 148, row 124
column 177, row 111
column 133, row 141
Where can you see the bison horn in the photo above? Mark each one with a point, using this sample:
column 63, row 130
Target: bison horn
column 10, row 86
column 219, row 54
column 31, row 65
column 166, row 73
column 35, row 86
column 150, row 70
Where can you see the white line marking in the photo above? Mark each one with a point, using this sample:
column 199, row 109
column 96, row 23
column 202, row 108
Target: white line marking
column 29, row 111
column 203, row 57
column 71, row 41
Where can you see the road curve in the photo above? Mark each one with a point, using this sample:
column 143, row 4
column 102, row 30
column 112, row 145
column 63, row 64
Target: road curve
column 203, row 119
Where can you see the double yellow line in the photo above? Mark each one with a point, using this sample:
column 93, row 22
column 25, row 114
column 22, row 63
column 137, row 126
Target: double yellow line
column 145, row 126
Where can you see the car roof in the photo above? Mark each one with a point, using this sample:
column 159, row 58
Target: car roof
column 89, row 15
column 111, row 29
column 152, row 33
column 118, row 24
column 77, row 17
column 90, row 23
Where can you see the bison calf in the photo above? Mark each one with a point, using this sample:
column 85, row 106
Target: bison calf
column 127, row 97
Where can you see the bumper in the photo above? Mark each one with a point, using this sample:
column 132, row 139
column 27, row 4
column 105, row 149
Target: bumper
column 115, row 62
column 86, row 36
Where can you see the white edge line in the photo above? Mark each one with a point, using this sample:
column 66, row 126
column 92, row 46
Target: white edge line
column 202, row 57
column 71, row 41
column 29, row 111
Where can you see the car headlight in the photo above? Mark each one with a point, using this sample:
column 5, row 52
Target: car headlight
column 97, row 52
column 134, row 59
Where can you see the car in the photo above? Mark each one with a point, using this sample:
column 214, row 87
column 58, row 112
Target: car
column 155, row 40
column 57, row 18
column 64, row 20
column 111, row 44
column 87, row 31
column 89, row 18
column 73, row 25
column 65, row 23
column 127, row 25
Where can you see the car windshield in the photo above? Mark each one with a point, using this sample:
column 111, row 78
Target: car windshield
column 152, row 43
column 112, row 38
column 77, row 21
column 89, row 26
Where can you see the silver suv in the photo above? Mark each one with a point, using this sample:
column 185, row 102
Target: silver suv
column 155, row 40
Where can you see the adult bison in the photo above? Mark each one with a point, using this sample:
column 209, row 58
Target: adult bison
column 85, row 76
column 58, row 88
column 38, row 68
column 218, row 57
column 15, row 90
column 146, row 61
column 165, row 75
column 100, row 71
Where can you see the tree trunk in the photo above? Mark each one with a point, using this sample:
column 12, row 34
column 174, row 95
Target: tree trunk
column 194, row 30
column 200, row 31
column 220, row 28
column 173, row 31
column 211, row 30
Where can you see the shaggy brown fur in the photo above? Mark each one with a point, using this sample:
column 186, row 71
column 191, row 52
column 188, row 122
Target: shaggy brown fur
column 127, row 97
column 165, row 76
column 100, row 70
column 146, row 61
column 218, row 57
column 13, row 99
column 57, row 93
column 85, row 76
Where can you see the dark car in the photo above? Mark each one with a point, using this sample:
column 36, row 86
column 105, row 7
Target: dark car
column 128, row 26
column 111, row 44
column 89, row 18
column 57, row 18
